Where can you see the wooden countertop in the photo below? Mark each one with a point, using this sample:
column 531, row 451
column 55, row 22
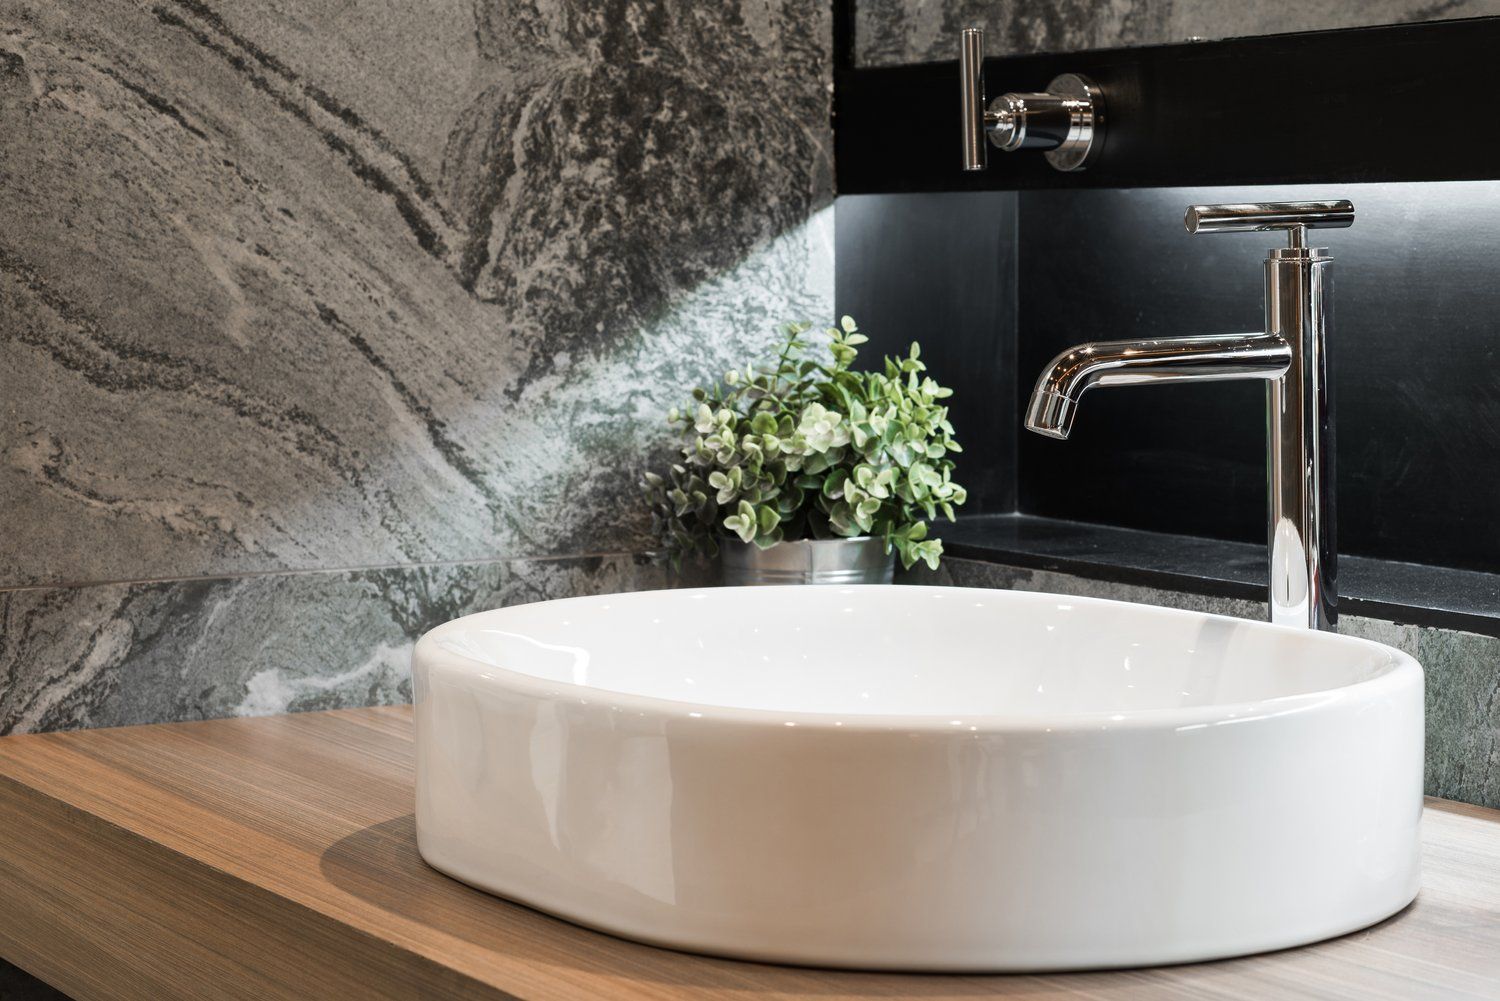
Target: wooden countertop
column 276, row 858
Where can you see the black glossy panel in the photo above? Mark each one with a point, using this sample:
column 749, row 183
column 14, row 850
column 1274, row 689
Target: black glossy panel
column 1413, row 349
column 940, row 269
column 1367, row 104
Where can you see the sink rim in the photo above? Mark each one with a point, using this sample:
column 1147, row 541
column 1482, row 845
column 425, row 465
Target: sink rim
column 1400, row 669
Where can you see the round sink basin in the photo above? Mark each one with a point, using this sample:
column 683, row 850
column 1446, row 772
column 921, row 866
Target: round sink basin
column 921, row 778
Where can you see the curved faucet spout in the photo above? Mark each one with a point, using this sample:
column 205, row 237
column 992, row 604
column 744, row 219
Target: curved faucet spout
column 1054, row 401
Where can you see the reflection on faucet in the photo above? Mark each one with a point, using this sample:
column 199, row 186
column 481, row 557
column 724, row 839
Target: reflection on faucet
column 1288, row 562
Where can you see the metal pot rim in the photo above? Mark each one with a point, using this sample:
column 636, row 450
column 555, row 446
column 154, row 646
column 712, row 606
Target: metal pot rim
column 858, row 560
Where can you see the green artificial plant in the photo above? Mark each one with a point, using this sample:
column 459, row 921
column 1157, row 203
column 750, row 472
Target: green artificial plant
column 809, row 448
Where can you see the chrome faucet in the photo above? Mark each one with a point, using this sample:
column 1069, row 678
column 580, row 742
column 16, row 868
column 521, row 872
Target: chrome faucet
column 1290, row 356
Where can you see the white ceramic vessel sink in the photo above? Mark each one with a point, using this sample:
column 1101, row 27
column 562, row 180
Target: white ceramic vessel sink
column 921, row 778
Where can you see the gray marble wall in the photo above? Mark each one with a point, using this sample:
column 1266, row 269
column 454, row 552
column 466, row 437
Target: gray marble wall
column 893, row 32
column 1462, row 669
column 321, row 323
column 198, row 648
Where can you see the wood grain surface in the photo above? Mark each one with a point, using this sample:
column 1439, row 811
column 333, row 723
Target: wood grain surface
column 276, row 858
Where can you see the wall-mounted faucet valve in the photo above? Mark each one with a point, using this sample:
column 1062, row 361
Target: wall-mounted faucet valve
column 1067, row 121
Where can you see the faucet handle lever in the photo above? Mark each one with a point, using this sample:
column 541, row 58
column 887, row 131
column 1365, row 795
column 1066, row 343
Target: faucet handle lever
column 1259, row 217
column 971, row 97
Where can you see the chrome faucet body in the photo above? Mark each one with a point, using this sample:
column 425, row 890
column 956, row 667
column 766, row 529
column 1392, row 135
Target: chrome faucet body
column 1290, row 355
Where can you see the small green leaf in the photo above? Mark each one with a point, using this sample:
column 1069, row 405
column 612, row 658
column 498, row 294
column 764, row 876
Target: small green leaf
column 768, row 518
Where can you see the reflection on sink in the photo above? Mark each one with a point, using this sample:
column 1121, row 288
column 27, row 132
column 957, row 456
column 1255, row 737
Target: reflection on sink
column 921, row 778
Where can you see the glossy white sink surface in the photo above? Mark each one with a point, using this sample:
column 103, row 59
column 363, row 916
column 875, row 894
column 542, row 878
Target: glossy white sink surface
column 921, row 778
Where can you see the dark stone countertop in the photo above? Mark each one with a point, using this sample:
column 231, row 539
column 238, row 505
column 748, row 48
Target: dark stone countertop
column 1401, row 592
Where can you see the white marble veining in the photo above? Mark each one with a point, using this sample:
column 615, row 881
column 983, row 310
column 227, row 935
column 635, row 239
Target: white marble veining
column 289, row 290
column 301, row 288
column 117, row 654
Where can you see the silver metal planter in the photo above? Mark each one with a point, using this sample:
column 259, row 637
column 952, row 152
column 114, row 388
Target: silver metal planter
column 810, row 561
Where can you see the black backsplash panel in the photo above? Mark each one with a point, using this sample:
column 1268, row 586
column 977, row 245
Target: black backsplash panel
column 941, row 269
column 1392, row 103
column 1413, row 349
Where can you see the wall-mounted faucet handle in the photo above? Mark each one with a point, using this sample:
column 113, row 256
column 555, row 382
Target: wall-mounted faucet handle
column 971, row 96
column 1067, row 121
column 1259, row 217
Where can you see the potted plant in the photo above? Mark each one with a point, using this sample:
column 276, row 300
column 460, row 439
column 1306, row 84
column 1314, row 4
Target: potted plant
column 805, row 470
